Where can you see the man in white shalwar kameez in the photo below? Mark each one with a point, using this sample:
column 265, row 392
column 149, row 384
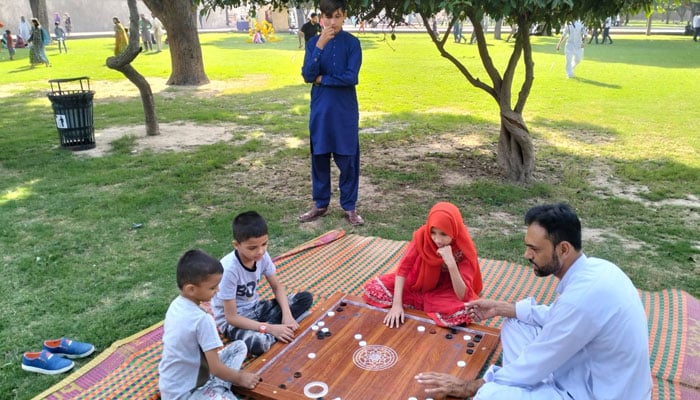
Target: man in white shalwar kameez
column 575, row 35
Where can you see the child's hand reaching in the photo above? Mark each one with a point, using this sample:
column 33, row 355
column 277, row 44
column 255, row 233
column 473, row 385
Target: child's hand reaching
column 291, row 322
column 246, row 380
column 283, row 333
column 395, row 317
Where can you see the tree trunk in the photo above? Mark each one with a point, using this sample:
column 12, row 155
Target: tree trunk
column 179, row 17
column 122, row 63
column 497, row 29
column 516, row 153
column 39, row 11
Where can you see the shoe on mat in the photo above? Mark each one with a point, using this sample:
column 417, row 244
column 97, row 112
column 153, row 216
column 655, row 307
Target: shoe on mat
column 68, row 348
column 354, row 218
column 313, row 214
column 45, row 362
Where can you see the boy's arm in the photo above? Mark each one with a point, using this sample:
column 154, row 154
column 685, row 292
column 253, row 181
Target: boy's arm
column 281, row 297
column 237, row 320
column 283, row 332
column 239, row 378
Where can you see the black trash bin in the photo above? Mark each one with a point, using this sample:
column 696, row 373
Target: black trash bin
column 73, row 112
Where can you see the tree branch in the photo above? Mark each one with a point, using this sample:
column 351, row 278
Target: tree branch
column 122, row 63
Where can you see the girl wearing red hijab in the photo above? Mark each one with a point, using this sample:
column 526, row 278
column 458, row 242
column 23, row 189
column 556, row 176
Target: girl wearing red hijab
column 438, row 273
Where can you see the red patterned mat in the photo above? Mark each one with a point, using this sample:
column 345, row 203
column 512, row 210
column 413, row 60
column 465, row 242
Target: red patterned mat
column 335, row 262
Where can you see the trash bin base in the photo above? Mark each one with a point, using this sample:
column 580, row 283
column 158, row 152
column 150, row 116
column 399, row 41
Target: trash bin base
column 77, row 144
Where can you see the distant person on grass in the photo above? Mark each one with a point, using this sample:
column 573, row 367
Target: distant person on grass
column 121, row 40
column 25, row 29
column 60, row 35
column 575, row 35
column 696, row 26
column 606, row 30
column 332, row 65
column 9, row 43
column 68, row 23
column 39, row 38
column 145, row 27
column 591, row 343
column 194, row 366
column 310, row 29
column 158, row 29
column 240, row 313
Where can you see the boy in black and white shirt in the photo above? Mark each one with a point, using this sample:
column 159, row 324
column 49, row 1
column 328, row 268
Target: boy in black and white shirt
column 239, row 312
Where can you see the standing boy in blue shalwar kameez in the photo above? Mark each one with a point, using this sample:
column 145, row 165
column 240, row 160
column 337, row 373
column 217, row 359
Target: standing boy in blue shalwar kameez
column 332, row 64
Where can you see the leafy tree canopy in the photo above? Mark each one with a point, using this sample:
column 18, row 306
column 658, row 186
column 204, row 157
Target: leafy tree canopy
column 553, row 13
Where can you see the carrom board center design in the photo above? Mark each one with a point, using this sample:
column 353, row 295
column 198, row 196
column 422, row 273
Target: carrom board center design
column 375, row 357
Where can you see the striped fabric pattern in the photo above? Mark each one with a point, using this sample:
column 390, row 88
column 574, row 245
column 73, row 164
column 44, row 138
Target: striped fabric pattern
column 336, row 262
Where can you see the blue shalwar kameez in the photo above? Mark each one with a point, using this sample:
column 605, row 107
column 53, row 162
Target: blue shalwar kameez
column 334, row 117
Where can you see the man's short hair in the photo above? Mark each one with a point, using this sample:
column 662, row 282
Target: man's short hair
column 248, row 225
column 559, row 220
column 328, row 7
column 313, row 14
column 195, row 266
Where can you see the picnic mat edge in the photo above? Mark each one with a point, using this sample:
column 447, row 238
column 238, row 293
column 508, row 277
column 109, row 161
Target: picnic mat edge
column 104, row 355
column 676, row 358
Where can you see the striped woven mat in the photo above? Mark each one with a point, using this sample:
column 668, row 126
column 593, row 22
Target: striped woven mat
column 336, row 262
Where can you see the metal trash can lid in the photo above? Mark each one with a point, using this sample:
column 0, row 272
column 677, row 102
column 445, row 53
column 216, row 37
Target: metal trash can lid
column 80, row 80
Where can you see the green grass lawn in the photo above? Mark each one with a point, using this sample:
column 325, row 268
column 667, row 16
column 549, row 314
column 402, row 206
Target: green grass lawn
column 619, row 142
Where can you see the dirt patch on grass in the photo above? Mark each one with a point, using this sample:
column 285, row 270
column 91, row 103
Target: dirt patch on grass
column 173, row 137
column 607, row 185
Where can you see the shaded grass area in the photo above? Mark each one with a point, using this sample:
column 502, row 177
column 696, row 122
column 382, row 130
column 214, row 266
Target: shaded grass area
column 618, row 142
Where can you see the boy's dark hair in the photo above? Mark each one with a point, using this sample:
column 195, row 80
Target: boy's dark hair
column 328, row 7
column 195, row 266
column 248, row 225
column 560, row 222
column 313, row 14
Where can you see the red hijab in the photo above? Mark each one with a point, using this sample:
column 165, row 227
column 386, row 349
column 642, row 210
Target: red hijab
column 447, row 218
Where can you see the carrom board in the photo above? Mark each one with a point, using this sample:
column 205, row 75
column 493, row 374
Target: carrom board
column 381, row 364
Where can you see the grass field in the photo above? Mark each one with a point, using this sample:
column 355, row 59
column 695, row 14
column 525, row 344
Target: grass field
column 619, row 142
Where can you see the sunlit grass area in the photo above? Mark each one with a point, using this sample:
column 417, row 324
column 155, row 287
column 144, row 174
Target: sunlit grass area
column 89, row 244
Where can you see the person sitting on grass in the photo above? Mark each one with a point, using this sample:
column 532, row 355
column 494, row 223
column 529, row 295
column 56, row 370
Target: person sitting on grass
column 193, row 365
column 239, row 312
column 437, row 274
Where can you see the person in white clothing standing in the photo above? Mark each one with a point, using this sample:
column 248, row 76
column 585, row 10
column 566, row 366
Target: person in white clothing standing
column 575, row 36
column 696, row 26
column 591, row 343
column 24, row 29
column 158, row 33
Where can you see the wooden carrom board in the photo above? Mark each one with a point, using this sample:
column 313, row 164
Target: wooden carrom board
column 384, row 368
